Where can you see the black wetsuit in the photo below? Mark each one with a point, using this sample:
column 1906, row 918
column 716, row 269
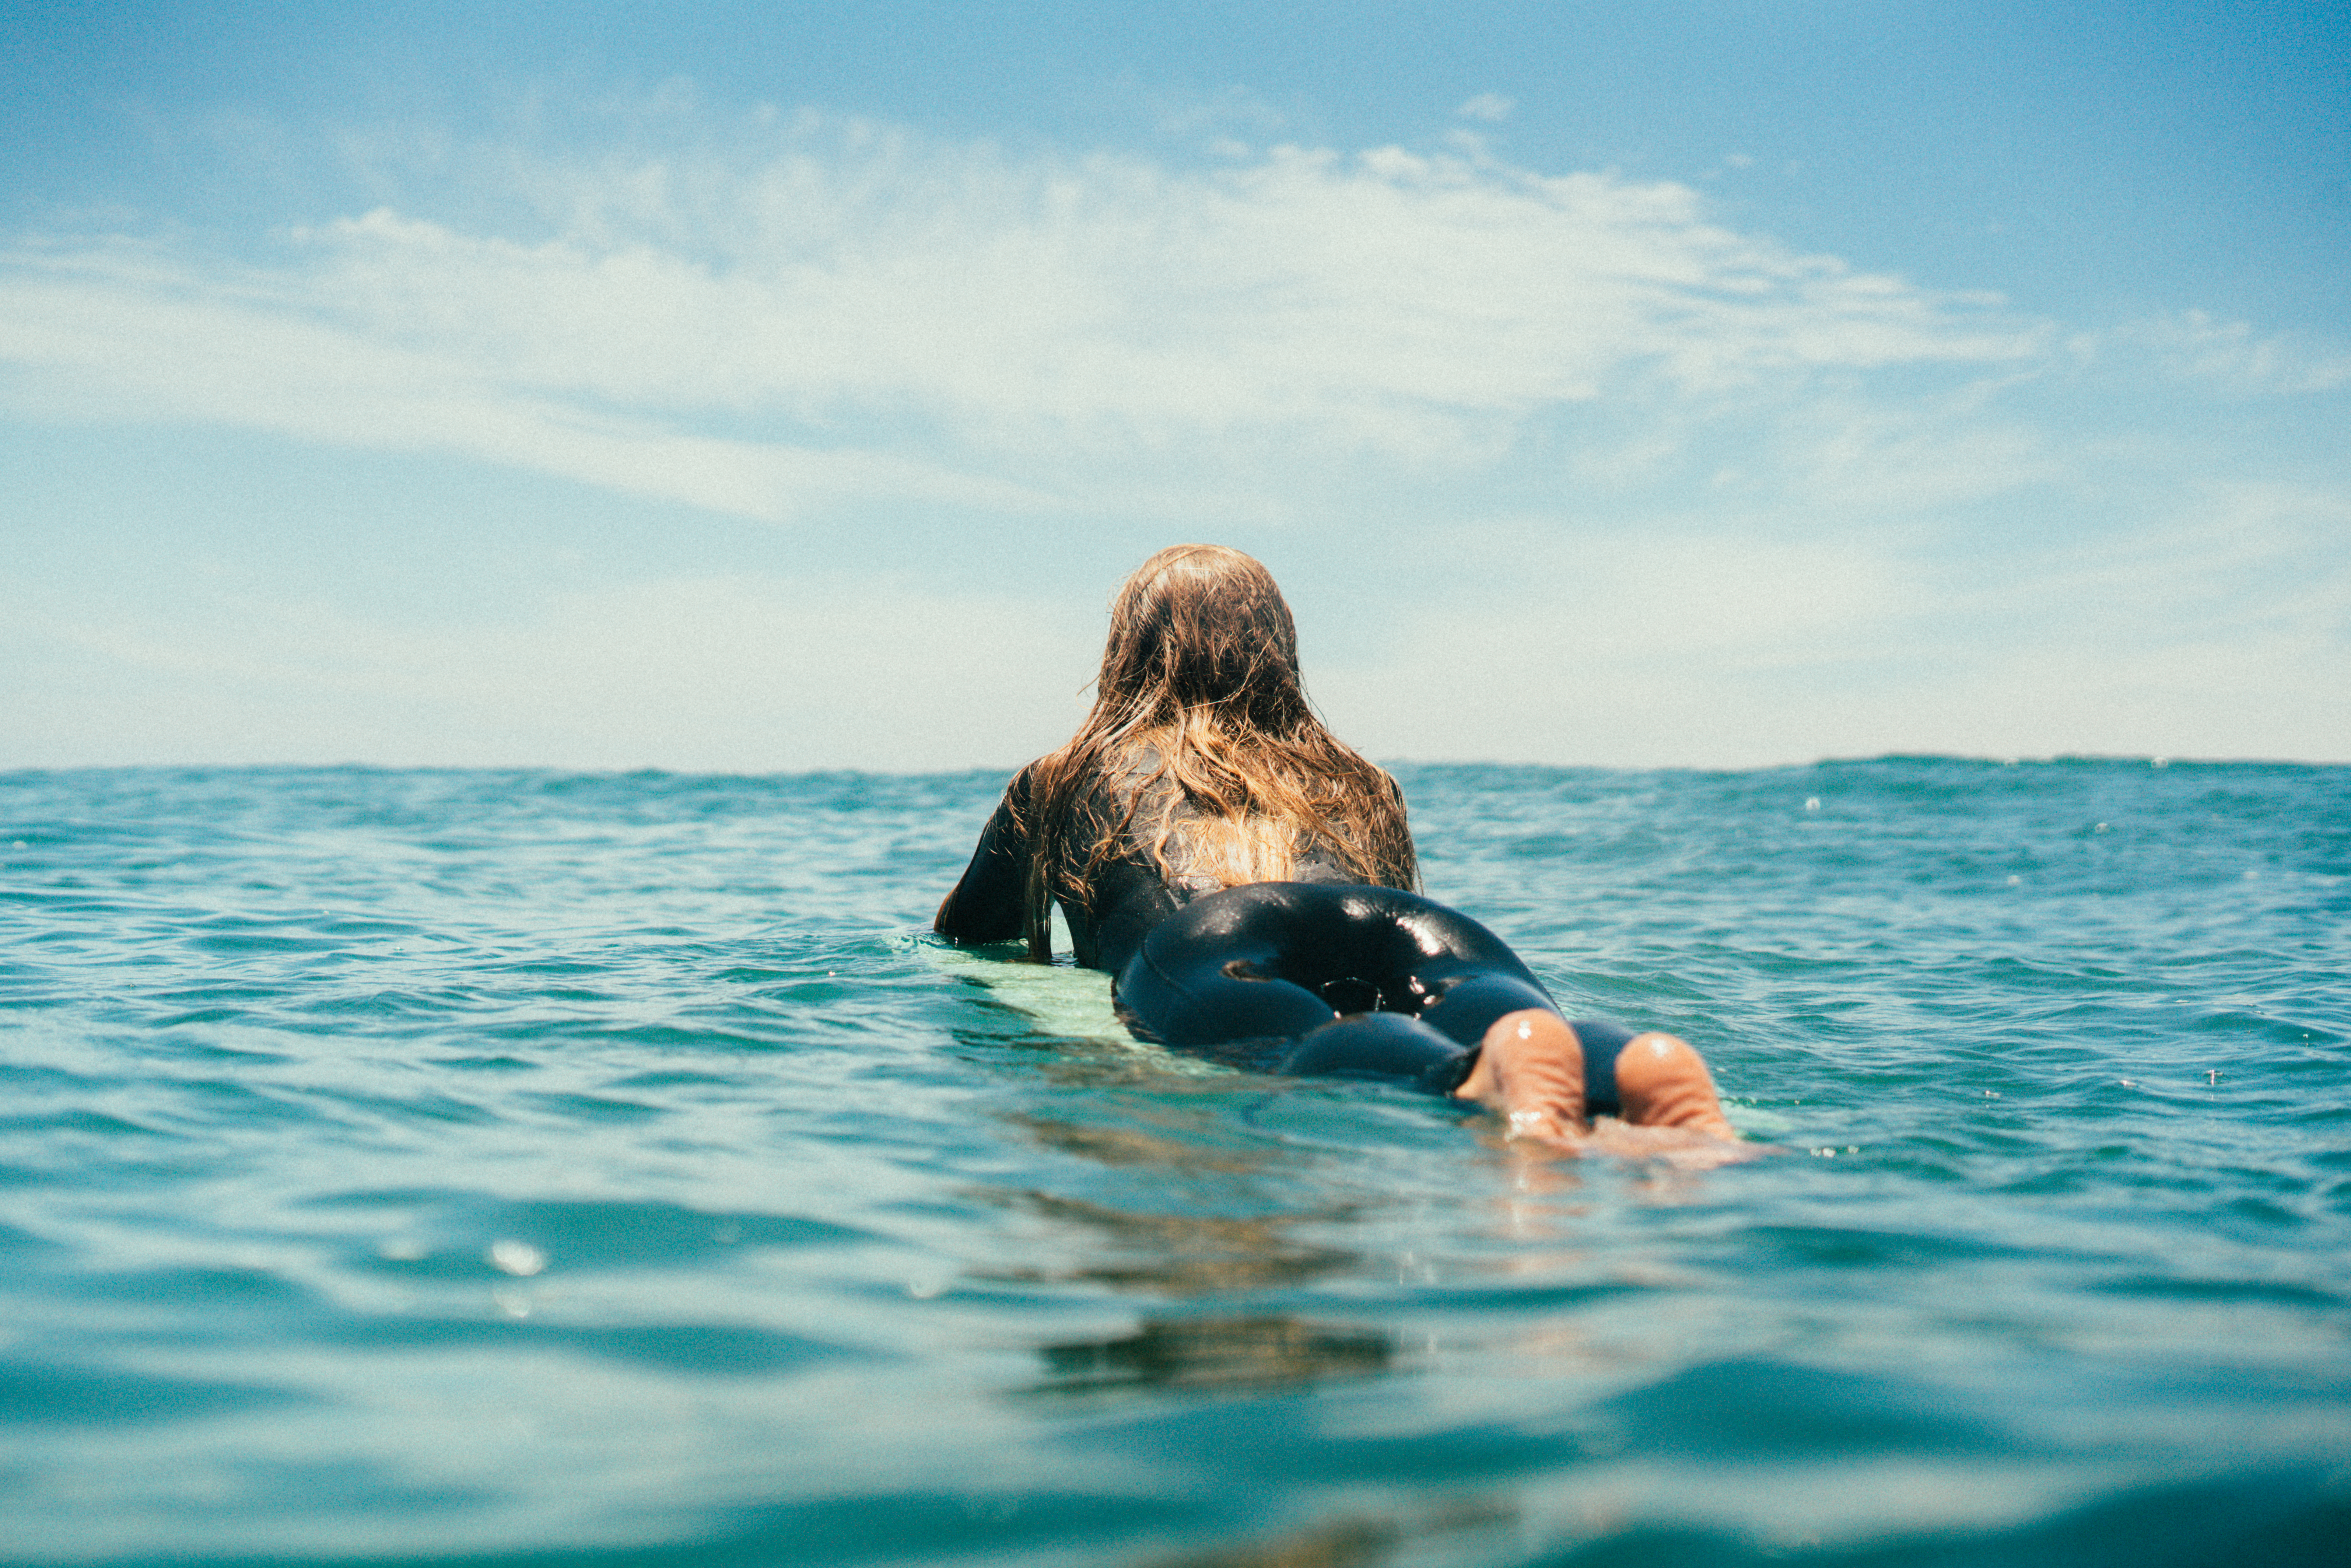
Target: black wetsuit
column 1320, row 976
column 1350, row 981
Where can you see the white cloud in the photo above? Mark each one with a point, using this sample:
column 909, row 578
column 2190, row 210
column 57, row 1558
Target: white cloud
column 863, row 312
column 1487, row 106
column 104, row 335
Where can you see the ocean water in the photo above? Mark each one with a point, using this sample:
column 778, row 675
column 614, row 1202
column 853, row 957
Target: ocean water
column 541, row 1168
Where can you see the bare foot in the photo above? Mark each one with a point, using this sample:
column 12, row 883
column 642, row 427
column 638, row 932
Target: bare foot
column 1530, row 1069
column 1662, row 1082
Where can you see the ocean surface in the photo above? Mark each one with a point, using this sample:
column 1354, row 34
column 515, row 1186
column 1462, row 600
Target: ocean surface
column 558, row 1170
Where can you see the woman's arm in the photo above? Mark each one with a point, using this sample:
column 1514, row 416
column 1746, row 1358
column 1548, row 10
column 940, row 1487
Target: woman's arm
column 987, row 905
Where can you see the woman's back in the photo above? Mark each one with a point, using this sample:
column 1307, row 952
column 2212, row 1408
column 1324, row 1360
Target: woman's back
column 1131, row 851
column 1201, row 765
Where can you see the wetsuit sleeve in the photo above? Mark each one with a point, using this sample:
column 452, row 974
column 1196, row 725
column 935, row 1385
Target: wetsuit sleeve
column 985, row 905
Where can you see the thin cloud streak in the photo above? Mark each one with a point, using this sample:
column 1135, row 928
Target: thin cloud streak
column 2194, row 346
column 742, row 673
column 103, row 340
column 2216, row 630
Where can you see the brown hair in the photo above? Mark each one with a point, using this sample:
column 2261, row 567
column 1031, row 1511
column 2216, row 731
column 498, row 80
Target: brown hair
column 1199, row 687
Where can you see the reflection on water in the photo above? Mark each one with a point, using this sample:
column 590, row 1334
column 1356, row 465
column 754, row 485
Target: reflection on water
column 1252, row 1353
column 1182, row 1254
column 1347, row 1543
column 1174, row 1254
column 1354, row 1540
column 1123, row 1146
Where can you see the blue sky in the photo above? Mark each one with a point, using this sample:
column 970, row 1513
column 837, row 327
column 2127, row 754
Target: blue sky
column 782, row 387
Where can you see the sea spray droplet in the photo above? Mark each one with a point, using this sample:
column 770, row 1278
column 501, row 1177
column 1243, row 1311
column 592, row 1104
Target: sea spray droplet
column 519, row 1259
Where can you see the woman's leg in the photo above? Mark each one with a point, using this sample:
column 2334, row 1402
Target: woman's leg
column 1258, row 976
column 1663, row 1082
column 1531, row 1068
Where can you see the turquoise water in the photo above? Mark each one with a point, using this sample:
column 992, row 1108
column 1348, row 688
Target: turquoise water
column 525, row 1167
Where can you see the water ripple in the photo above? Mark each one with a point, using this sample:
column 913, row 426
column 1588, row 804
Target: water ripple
column 514, row 1166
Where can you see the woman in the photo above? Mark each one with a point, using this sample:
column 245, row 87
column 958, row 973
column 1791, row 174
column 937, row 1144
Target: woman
column 1249, row 878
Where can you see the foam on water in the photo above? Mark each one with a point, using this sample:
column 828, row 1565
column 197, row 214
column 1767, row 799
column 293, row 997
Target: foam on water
column 521, row 1166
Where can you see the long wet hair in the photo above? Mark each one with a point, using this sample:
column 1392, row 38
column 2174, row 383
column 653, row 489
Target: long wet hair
column 1199, row 690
